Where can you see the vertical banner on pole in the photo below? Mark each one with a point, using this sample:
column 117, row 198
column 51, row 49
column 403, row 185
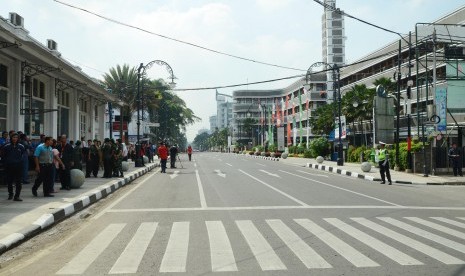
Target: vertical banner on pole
column 441, row 107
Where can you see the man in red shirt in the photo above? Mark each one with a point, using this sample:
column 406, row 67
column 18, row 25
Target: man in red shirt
column 163, row 155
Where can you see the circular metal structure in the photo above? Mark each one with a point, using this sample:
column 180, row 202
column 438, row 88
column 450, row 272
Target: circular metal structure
column 162, row 63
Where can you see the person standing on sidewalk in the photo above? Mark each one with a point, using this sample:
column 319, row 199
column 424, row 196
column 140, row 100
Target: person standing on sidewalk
column 66, row 155
column 163, row 155
column 107, row 155
column 455, row 159
column 12, row 156
column 24, row 140
column 43, row 157
column 383, row 161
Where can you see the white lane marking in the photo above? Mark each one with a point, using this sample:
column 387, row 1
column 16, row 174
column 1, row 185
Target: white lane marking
column 314, row 174
column 260, row 164
column 453, row 222
column 195, row 164
column 129, row 260
column 343, row 189
column 438, row 227
column 87, row 256
column 374, row 207
column 220, row 159
column 221, row 253
column 203, row 202
column 275, row 189
column 271, row 174
column 303, row 251
column 175, row 173
column 383, row 248
column 219, row 173
column 175, row 257
column 407, row 241
column 114, row 203
column 229, row 164
column 345, row 250
column 425, row 234
column 261, row 249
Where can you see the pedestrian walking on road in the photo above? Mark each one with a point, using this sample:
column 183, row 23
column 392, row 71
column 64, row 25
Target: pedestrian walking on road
column 163, row 155
column 455, row 159
column 12, row 154
column 383, row 161
column 43, row 157
column 189, row 152
column 173, row 152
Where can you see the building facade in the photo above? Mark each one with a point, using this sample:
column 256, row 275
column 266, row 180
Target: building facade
column 41, row 92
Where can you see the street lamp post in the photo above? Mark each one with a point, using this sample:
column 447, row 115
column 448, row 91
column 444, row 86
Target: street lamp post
column 336, row 75
column 140, row 72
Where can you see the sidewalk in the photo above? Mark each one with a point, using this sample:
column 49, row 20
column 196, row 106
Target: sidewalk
column 20, row 221
column 355, row 170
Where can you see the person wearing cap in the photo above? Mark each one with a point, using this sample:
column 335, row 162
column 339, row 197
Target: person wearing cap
column 454, row 157
column 66, row 155
column 107, row 156
column 163, row 155
column 12, row 156
column 383, row 161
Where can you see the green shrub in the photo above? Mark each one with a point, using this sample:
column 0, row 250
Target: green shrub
column 319, row 147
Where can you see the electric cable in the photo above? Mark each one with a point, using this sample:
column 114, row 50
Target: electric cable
column 175, row 39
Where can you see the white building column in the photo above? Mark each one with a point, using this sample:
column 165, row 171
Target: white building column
column 74, row 116
column 15, row 119
column 51, row 118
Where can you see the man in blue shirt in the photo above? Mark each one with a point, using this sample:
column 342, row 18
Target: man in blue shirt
column 12, row 156
column 43, row 157
column 4, row 139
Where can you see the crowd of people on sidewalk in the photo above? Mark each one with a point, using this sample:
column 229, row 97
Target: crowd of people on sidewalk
column 53, row 160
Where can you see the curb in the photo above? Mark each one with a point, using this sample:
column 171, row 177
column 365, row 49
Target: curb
column 367, row 177
column 68, row 209
column 264, row 157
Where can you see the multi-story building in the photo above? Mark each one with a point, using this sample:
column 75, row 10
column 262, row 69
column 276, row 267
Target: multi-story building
column 41, row 92
column 333, row 40
column 213, row 123
column 223, row 112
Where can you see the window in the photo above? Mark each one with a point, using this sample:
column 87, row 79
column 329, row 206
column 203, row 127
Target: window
column 337, row 59
column 34, row 123
column 82, row 124
column 337, row 50
column 337, row 41
column 3, row 75
column 3, row 108
column 337, row 32
column 63, row 113
column 337, row 24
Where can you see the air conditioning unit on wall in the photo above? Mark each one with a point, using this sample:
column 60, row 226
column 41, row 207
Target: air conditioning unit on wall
column 51, row 44
column 16, row 19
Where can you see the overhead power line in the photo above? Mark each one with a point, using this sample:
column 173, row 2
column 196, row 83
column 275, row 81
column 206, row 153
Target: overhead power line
column 174, row 39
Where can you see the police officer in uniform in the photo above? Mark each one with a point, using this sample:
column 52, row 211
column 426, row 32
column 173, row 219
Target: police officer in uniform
column 107, row 155
column 12, row 156
column 118, row 161
column 383, row 161
column 454, row 156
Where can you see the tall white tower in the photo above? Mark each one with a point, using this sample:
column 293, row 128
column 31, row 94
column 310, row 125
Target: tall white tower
column 333, row 40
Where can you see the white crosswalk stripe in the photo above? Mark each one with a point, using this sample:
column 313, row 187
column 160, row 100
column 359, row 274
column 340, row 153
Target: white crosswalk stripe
column 262, row 250
column 438, row 227
column 175, row 257
column 450, row 221
column 346, row 251
column 425, row 234
column 378, row 245
column 303, row 251
column 426, row 249
column 221, row 253
column 132, row 255
column 258, row 241
column 87, row 256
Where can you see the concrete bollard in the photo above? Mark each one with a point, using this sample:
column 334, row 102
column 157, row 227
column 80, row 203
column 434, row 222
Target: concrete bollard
column 125, row 166
column 366, row 167
column 146, row 159
column 77, row 178
column 320, row 159
column 284, row 155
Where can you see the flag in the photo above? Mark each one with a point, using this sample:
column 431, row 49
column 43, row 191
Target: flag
column 301, row 116
column 293, row 105
column 288, row 121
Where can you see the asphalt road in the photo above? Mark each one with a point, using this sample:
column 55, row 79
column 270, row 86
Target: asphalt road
column 228, row 214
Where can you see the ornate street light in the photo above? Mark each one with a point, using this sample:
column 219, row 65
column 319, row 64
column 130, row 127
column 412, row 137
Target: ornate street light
column 140, row 73
column 336, row 75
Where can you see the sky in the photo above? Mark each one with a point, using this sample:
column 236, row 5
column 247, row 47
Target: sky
column 286, row 33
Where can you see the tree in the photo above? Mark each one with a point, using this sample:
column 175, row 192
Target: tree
column 201, row 141
column 322, row 120
column 248, row 125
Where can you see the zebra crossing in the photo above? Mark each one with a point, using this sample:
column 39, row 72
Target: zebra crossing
column 404, row 241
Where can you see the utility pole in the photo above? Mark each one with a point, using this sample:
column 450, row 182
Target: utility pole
column 399, row 75
column 409, row 104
